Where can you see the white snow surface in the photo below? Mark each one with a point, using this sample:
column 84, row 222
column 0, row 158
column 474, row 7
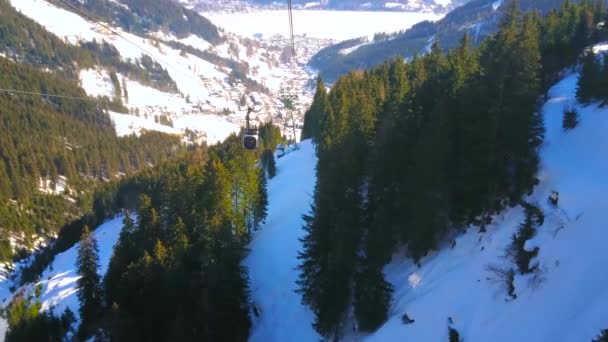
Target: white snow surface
column 97, row 82
column 496, row 4
column 215, row 128
column 45, row 186
column 339, row 25
column 274, row 250
column 566, row 300
column 129, row 124
column 59, row 283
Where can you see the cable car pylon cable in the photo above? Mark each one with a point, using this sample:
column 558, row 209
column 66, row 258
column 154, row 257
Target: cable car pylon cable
column 292, row 59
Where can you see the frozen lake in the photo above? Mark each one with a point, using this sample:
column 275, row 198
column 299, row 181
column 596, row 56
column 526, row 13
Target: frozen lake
column 339, row 25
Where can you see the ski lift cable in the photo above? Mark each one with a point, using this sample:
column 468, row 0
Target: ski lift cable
column 292, row 65
column 23, row 92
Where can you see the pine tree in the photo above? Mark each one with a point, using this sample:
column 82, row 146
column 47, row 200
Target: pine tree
column 317, row 116
column 67, row 318
column 178, row 239
column 602, row 89
column 454, row 336
column 271, row 166
column 525, row 232
column 571, row 119
column 124, row 253
column 88, row 285
column 268, row 163
column 261, row 211
column 588, row 81
column 372, row 298
column 149, row 226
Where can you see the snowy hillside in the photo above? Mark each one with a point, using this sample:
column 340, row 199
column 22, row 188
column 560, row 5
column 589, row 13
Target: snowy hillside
column 58, row 281
column 274, row 252
column 566, row 300
column 569, row 300
column 205, row 95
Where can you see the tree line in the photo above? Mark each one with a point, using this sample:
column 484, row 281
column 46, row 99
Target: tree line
column 46, row 137
column 175, row 272
column 408, row 151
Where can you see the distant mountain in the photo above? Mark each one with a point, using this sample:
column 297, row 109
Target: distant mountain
column 478, row 17
column 391, row 5
column 438, row 6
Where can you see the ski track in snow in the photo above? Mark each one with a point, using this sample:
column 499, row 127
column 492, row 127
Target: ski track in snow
column 274, row 250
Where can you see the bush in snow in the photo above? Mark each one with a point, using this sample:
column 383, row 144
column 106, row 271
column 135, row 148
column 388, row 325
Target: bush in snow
column 603, row 337
column 268, row 163
column 454, row 335
column 406, row 319
column 571, row 119
column 504, row 276
column 527, row 229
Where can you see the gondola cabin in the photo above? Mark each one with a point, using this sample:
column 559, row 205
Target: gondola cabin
column 250, row 139
column 250, row 135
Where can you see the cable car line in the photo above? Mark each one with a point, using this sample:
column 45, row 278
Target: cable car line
column 23, row 92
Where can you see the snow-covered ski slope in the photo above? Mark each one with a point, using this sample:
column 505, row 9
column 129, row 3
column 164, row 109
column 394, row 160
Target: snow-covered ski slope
column 567, row 300
column 274, row 250
column 58, row 281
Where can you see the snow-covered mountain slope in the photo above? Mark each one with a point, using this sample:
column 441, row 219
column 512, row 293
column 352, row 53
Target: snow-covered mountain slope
column 478, row 18
column 202, row 76
column 58, row 281
column 565, row 300
column 274, row 250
